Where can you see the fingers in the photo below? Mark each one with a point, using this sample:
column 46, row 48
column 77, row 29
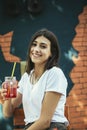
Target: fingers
column 3, row 84
column 3, row 93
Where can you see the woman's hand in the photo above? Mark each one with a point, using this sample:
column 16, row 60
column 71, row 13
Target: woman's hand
column 3, row 93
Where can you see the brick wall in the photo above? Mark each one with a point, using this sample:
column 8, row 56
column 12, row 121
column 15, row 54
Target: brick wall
column 5, row 44
column 77, row 98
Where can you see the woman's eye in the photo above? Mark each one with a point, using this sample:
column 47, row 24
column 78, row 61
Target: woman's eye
column 42, row 46
column 33, row 44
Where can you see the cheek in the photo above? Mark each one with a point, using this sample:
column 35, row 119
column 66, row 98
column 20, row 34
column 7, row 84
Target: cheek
column 30, row 53
column 31, row 50
column 49, row 54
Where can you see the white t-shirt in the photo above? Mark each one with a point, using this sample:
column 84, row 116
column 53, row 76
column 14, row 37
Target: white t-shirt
column 32, row 95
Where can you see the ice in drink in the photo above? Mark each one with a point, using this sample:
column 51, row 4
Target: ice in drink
column 11, row 86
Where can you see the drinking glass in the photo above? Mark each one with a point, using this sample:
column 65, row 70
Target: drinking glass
column 11, row 86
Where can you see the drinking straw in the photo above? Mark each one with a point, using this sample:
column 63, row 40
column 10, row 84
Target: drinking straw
column 12, row 74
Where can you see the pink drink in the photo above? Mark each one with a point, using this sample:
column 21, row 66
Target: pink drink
column 11, row 86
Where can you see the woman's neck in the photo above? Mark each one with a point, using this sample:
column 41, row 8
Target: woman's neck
column 36, row 74
column 38, row 70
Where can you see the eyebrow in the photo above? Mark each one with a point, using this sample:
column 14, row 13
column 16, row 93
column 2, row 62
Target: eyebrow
column 41, row 42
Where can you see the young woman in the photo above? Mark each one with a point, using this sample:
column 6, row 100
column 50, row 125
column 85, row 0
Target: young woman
column 42, row 88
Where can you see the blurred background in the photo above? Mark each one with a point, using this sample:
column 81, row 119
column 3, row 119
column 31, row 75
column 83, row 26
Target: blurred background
column 20, row 19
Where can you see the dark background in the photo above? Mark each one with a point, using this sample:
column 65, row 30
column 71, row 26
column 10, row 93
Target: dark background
column 59, row 16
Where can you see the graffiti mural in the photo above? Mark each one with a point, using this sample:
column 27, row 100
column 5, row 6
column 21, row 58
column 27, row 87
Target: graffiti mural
column 17, row 27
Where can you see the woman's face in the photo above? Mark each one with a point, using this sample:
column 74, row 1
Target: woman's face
column 40, row 50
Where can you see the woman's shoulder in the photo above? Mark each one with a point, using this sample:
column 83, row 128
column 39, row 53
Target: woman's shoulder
column 25, row 75
column 55, row 69
column 58, row 74
column 23, row 78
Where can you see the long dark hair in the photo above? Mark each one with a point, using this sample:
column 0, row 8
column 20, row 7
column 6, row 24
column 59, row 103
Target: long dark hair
column 55, row 51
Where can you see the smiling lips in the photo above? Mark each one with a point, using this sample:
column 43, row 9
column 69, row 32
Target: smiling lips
column 36, row 55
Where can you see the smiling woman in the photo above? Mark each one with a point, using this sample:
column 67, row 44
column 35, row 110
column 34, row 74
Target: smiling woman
column 42, row 88
column 40, row 50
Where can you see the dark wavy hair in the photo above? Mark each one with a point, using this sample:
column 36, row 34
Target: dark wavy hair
column 55, row 50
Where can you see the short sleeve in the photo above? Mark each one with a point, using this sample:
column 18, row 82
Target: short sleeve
column 56, row 81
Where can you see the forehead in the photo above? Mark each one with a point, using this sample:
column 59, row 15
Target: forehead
column 42, row 39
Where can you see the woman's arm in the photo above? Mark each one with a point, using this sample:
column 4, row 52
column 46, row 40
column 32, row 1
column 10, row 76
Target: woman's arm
column 48, row 107
column 10, row 104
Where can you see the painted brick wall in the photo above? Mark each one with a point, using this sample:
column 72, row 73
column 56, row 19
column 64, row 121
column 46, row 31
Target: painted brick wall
column 5, row 43
column 77, row 98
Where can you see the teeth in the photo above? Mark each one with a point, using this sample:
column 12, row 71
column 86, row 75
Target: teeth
column 36, row 55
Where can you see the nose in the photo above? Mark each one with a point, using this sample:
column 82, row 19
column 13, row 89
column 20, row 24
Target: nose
column 37, row 48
